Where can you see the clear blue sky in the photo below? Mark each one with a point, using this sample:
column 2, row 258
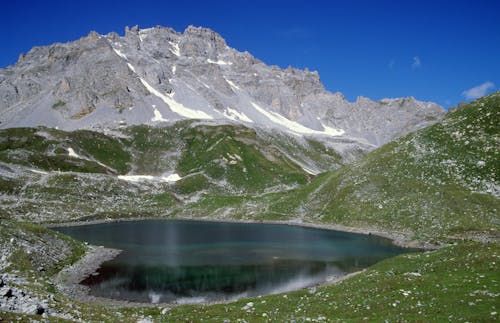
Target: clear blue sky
column 432, row 50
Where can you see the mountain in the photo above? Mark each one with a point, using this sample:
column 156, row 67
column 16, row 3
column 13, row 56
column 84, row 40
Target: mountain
column 157, row 76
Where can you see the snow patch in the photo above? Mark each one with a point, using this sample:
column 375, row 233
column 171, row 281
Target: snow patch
column 175, row 106
column 332, row 131
column 143, row 33
column 238, row 157
column 232, row 84
column 172, row 178
column 71, row 153
column 36, row 171
column 295, row 126
column 233, row 159
column 309, row 171
column 136, row 178
column 145, row 30
column 213, row 146
column 236, row 116
column 218, row 62
column 119, row 53
column 175, row 48
column 131, row 67
column 157, row 115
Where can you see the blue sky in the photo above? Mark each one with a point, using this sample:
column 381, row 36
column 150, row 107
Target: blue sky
column 441, row 51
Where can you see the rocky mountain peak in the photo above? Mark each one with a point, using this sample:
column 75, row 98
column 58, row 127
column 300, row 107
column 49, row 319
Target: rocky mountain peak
column 205, row 34
column 157, row 75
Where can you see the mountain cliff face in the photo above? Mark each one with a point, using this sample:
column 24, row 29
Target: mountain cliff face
column 157, row 75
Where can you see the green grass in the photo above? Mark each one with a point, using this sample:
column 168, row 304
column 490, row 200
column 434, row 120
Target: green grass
column 48, row 249
column 223, row 154
column 154, row 149
column 47, row 149
column 452, row 284
column 239, row 162
column 306, row 150
column 59, row 104
column 105, row 149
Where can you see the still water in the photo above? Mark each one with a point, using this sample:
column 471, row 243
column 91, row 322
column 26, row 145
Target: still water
column 192, row 261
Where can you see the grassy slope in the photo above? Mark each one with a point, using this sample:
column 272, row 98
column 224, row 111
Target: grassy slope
column 440, row 181
column 225, row 160
column 452, row 284
column 31, row 247
column 47, row 149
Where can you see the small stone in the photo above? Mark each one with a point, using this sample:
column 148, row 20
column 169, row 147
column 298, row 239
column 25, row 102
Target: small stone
column 29, row 308
column 248, row 306
column 6, row 292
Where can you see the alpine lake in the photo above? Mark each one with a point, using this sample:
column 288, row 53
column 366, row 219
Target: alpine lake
column 182, row 261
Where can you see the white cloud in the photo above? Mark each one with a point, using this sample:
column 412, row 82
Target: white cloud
column 416, row 62
column 478, row 91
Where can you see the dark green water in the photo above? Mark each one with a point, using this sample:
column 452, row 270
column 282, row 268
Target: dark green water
column 192, row 261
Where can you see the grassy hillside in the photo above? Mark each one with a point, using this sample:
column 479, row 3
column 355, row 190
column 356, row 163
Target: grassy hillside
column 457, row 283
column 440, row 181
column 52, row 175
column 47, row 149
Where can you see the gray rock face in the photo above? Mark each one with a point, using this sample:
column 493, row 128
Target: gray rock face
column 156, row 75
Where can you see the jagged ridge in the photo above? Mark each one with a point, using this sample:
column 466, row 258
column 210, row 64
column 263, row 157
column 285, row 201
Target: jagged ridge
column 157, row 75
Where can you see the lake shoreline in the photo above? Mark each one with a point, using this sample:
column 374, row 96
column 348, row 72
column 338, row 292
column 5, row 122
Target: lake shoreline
column 68, row 280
